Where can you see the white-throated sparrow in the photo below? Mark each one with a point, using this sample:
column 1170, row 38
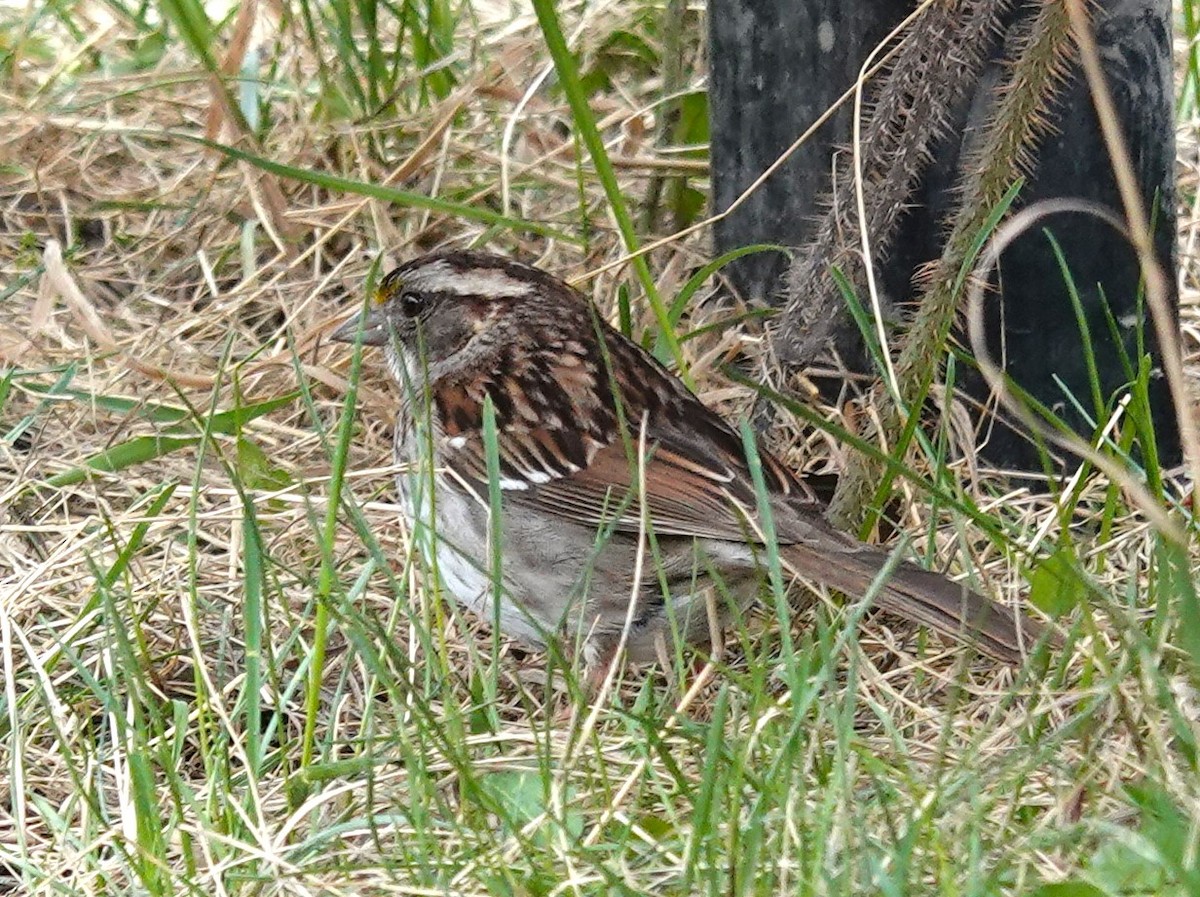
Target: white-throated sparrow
column 624, row 500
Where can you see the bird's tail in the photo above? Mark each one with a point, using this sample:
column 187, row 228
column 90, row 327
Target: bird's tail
column 921, row 595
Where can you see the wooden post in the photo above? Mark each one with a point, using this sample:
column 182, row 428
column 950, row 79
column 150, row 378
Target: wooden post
column 775, row 69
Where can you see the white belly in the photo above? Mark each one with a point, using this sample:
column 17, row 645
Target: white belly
column 453, row 543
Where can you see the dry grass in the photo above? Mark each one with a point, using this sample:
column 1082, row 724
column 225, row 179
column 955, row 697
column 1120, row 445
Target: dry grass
column 443, row 762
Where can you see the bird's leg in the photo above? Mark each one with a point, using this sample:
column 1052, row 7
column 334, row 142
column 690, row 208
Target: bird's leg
column 599, row 657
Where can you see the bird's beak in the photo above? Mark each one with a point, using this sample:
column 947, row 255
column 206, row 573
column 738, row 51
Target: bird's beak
column 373, row 327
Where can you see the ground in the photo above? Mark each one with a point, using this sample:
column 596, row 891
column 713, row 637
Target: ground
column 223, row 671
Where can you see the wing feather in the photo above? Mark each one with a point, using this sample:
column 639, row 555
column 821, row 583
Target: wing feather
column 562, row 449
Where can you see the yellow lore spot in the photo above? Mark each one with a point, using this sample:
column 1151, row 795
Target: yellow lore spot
column 381, row 295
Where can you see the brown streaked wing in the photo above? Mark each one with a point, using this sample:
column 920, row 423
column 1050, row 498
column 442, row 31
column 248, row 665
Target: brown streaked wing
column 680, row 497
column 562, row 450
column 694, row 486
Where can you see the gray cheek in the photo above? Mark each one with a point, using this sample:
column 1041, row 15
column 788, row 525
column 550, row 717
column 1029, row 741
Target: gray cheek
column 446, row 330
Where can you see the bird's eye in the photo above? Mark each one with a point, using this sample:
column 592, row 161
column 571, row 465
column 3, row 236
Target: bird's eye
column 411, row 304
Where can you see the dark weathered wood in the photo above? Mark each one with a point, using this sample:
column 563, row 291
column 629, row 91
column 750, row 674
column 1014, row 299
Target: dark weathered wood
column 775, row 66
column 759, row 108
column 1040, row 332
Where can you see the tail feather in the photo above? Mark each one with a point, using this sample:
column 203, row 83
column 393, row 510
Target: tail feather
column 928, row 598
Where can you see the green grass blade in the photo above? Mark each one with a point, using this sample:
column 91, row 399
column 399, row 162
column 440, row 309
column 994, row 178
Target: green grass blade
column 585, row 123
column 771, row 547
column 26, row 422
column 375, row 191
column 1085, row 331
column 138, row 450
column 491, row 447
column 253, row 582
column 199, row 36
column 328, row 572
